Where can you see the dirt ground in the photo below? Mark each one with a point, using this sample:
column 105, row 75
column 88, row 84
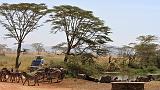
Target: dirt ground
column 70, row 84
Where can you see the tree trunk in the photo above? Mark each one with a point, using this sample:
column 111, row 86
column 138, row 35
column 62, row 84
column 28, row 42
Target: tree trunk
column 18, row 55
column 66, row 55
column 38, row 52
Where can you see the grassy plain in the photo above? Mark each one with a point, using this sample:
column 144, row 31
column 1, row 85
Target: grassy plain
column 9, row 60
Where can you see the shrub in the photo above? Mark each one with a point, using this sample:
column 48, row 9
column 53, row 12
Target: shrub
column 73, row 69
column 151, row 69
column 144, row 71
column 140, row 72
column 75, row 66
column 134, row 65
column 113, row 67
column 57, row 64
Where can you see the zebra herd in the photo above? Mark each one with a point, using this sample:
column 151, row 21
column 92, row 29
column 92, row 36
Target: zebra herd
column 40, row 75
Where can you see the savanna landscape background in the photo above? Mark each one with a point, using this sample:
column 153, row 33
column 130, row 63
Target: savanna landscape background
column 73, row 36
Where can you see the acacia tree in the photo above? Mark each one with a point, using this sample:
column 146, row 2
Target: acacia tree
column 125, row 51
column 38, row 47
column 158, row 57
column 59, row 47
column 19, row 20
column 80, row 26
column 2, row 48
column 146, row 49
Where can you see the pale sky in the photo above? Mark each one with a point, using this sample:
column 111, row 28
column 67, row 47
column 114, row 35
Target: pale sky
column 127, row 19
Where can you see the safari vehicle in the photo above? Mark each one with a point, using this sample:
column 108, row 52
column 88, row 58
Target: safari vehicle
column 37, row 63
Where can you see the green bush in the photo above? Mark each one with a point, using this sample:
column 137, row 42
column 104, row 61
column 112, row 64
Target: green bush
column 100, row 68
column 140, row 72
column 79, row 65
column 113, row 67
column 75, row 66
column 151, row 69
column 134, row 65
column 143, row 71
column 57, row 64
column 73, row 69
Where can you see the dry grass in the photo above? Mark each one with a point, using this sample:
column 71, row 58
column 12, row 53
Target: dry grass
column 26, row 59
column 9, row 60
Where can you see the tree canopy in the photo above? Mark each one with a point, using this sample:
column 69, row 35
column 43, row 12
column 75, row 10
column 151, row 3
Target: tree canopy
column 59, row 48
column 146, row 49
column 38, row 47
column 21, row 19
column 81, row 27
